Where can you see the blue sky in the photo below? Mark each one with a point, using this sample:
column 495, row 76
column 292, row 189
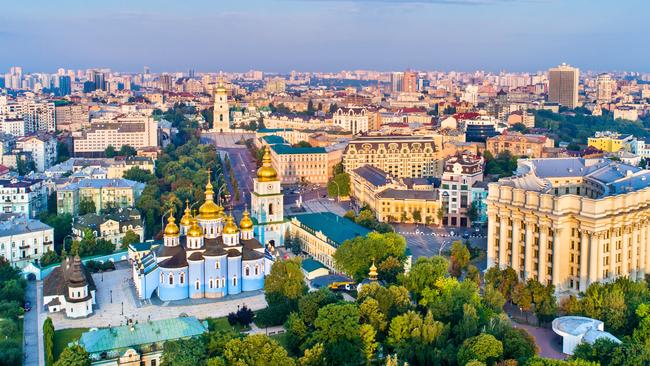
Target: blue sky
column 325, row 35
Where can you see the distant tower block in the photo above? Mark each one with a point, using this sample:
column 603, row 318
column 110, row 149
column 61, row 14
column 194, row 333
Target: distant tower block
column 221, row 110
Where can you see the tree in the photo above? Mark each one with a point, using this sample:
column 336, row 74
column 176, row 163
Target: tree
column 110, row 151
column 256, row 350
column 370, row 313
column 414, row 338
column 440, row 214
column 287, row 279
column 127, row 150
column 425, row 273
column 310, row 303
column 50, row 257
column 474, row 211
column 302, row 144
column 417, row 216
column 129, row 238
column 368, row 335
column 62, row 152
column 493, row 299
column 355, row 256
column 87, row 206
column 473, row 274
column 518, row 345
column 138, row 175
column 314, row 356
column 296, row 333
column 337, row 328
column 48, row 338
column 459, row 258
column 339, row 185
column 183, row 352
column 483, row 347
column 600, row 351
column 73, row 356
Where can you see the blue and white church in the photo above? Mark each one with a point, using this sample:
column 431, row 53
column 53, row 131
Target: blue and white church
column 208, row 255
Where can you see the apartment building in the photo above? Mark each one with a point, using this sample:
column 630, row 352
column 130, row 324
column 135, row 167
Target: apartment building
column 518, row 144
column 72, row 117
column 41, row 147
column 104, row 193
column 27, row 116
column 296, row 121
column 611, row 141
column 111, row 226
column 571, row 222
column 563, row 85
column 398, row 155
column 135, row 130
column 26, row 197
column 24, row 240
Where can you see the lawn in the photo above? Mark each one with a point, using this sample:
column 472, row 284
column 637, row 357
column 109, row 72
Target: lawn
column 280, row 338
column 64, row 336
column 222, row 324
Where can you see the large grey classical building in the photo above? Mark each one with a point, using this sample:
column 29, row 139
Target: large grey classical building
column 571, row 222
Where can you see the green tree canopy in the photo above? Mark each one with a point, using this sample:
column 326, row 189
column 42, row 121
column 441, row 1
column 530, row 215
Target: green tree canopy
column 355, row 256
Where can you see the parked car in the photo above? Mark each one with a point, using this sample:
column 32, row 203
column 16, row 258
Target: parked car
column 27, row 306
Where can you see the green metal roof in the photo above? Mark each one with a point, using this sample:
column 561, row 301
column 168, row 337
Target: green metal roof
column 274, row 139
column 286, row 149
column 270, row 130
column 107, row 339
column 336, row 228
column 311, row 265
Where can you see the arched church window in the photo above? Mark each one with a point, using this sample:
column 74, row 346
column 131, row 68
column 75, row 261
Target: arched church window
column 210, row 283
column 171, row 278
column 217, row 265
column 257, row 269
column 270, row 209
column 248, row 271
column 182, row 278
column 234, row 281
column 221, row 118
column 162, row 277
column 223, row 281
column 197, row 284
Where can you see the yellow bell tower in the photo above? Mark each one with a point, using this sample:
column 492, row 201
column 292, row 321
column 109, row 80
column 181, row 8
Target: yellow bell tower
column 267, row 204
column 221, row 110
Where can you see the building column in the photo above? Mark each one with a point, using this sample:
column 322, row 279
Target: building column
column 557, row 267
column 503, row 243
column 634, row 245
column 642, row 267
column 627, row 240
column 646, row 245
column 612, row 253
column 516, row 227
column 541, row 269
column 528, row 255
column 491, row 240
column 584, row 259
column 600, row 252
column 593, row 258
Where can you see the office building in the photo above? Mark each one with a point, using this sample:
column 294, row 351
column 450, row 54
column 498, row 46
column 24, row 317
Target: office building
column 65, row 85
column 24, row 240
column 604, row 88
column 571, row 222
column 135, row 130
column 396, row 82
column 563, row 86
column 462, row 174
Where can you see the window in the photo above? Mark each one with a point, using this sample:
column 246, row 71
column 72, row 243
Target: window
column 234, row 281
column 162, row 277
column 210, row 283
column 217, row 265
column 197, row 285
column 257, row 269
column 182, row 278
column 247, row 271
column 171, row 279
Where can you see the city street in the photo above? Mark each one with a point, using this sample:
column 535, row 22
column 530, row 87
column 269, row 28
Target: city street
column 426, row 241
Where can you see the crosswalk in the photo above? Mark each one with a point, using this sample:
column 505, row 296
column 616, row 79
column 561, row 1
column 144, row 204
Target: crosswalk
column 420, row 233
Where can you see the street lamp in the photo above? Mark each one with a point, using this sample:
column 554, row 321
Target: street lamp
column 338, row 190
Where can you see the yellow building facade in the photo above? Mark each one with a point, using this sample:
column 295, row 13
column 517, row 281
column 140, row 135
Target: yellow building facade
column 571, row 222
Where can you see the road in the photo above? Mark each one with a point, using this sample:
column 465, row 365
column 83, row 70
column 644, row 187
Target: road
column 427, row 241
column 32, row 329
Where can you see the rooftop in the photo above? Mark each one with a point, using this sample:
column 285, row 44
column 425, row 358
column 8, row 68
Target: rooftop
column 374, row 175
column 286, row 149
column 336, row 228
column 127, row 336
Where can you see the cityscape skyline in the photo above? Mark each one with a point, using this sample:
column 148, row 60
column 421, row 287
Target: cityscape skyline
column 279, row 36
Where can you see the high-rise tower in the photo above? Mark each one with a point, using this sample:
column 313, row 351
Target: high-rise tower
column 563, row 85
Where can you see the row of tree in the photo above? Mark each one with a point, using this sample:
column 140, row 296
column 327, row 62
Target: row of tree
column 12, row 294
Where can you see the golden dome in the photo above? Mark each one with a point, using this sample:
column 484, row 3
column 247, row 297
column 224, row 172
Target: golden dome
column 186, row 220
column 246, row 223
column 195, row 230
column 230, row 227
column 266, row 172
column 171, row 229
column 209, row 210
column 220, row 89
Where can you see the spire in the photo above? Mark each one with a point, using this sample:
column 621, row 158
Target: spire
column 372, row 274
column 171, row 229
column 267, row 173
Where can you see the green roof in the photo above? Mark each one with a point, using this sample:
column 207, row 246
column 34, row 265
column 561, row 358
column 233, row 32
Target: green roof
column 336, row 228
column 274, row 139
column 310, row 265
column 108, row 339
column 270, row 130
column 286, row 149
